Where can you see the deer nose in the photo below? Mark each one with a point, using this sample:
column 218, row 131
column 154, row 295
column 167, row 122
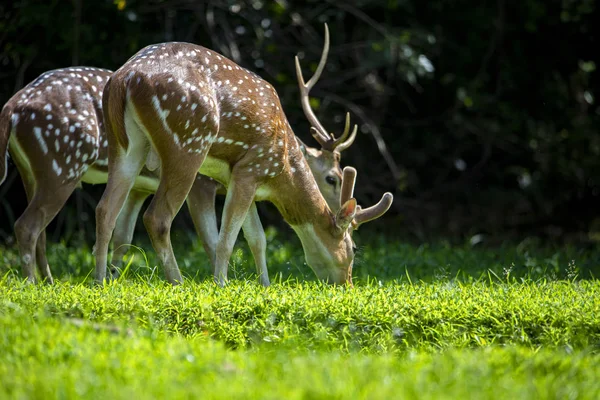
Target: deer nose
column 349, row 278
column 340, row 277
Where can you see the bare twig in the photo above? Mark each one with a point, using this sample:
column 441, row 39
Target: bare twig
column 362, row 16
column 375, row 132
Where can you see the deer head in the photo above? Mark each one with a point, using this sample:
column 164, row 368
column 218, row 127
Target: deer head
column 328, row 244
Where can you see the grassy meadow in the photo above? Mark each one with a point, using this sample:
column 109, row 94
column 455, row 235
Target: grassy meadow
column 430, row 321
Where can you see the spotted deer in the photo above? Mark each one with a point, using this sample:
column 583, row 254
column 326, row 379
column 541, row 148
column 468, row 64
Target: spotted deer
column 54, row 128
column 189, row 110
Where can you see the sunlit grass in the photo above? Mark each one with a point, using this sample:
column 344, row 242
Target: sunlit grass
column 426, row 321
column 46, row 357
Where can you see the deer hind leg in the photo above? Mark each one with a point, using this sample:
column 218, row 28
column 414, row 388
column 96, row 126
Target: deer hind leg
column 257, row 241
column 201, row 204
column 240, row 195
column 46, row 202
column 175, row 184
column 125, row 226
column 29, row 184
column 27, row 240
column 123, row 168
column 40, row 255
column 40, row 252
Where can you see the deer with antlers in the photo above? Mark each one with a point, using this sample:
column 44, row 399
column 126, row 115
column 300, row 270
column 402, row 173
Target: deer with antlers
column 190, row 110
column 55, row 129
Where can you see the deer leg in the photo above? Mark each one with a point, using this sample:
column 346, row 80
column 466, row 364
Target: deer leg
column 123, row 168
column 29, row 184
column 201, row 204
column 125, row 226
column 240, row 195
column 257, row 241
column 175, row 184
column 40, row 255
column 40, row 247
column 40, row 243
column 43, row 207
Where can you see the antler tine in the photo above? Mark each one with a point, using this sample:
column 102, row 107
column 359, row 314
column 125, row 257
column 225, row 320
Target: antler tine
column 376, row 211
column 325, row 142
column 348, row 181
column 311, row 82
column 341, row 143
column 319, row 132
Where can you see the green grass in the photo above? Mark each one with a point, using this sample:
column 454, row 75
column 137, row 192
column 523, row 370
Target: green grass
column 46, row 357
column 430, row 321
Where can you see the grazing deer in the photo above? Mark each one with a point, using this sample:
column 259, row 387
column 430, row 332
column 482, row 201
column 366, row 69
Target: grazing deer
column 190, row 110
column 55, row 129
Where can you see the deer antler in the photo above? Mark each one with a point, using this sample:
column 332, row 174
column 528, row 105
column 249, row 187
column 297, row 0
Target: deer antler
column 366, row 214
column 348, row 181
column 326, row 140
column 343, row 142
column 374, row 212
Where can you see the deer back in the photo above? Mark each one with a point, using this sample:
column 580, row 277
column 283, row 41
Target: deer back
column 56, row 120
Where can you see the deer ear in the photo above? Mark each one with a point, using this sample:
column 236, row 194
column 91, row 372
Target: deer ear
column 346, row 214
column 301, row 145
column 303, row 149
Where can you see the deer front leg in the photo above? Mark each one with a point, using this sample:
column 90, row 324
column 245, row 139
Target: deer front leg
column 201, row 204
column 240, row 195
column 125, row 226
column 257, row 241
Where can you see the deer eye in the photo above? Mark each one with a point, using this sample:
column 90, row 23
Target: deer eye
column 331, row 180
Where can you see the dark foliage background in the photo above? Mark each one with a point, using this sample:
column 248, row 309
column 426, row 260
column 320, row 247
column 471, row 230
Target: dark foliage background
column 481, row 117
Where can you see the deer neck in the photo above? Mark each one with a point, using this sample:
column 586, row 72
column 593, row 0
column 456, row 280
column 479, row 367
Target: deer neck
column 296, row 194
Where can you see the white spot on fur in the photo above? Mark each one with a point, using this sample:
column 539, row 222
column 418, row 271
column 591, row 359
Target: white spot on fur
column 57, row 169
column 38, row 135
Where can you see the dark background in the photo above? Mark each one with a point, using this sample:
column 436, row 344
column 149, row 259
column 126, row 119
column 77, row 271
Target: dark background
column 480, row 116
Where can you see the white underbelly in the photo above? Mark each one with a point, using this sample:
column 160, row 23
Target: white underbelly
column 100, row 176
column 94, row 176
column 217, row 169
column 18, row 154
column 262, row 193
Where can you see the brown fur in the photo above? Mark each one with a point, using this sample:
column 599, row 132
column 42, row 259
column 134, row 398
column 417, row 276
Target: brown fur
column 113, row 101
